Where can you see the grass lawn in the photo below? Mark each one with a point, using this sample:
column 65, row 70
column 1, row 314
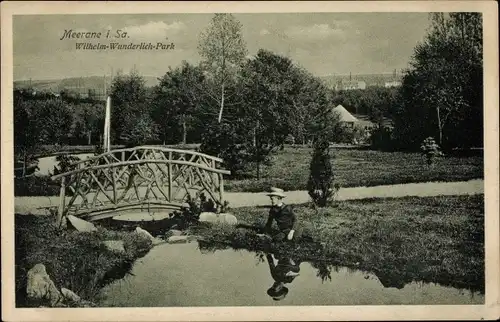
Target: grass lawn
column 432, row 239
column 353, row 167
column 74, row 260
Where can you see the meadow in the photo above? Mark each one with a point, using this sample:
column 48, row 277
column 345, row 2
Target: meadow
column 352, row 167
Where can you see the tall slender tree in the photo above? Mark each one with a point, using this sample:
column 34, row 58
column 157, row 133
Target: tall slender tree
column 223, row 51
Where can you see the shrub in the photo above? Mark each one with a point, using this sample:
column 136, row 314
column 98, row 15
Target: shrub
column 430, row 150
column 65, row 163
column 290, row 139
column 321, row 178
column 35, row 186
column 189, row 215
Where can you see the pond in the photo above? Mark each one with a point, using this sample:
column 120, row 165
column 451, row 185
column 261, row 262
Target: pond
column 174, row 275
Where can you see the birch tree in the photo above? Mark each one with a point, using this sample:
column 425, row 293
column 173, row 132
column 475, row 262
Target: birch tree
column 223, row 51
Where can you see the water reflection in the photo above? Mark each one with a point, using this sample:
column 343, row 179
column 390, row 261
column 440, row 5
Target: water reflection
column 195, row 274
column 283, row 269
column 284, row 264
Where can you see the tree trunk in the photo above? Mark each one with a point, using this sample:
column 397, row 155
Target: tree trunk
column 221, row 103
column 184, row 133
column 90, row 137
column 440, row 127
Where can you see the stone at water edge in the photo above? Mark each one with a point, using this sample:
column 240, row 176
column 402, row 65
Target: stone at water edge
column 221, row 218
column 173, row 232
column 70, row 295
column 80, row 224
column 115, row 245
column 145, row 233
column 40, row 286
column 181, row 239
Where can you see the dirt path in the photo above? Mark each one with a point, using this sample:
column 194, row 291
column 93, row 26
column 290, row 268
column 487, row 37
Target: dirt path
column 242, row 199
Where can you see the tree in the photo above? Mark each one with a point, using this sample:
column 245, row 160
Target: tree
column 129, row 103
column 223, row 50
column 320, row 185
column 144, row 131
column 442, row 91
column 177, row 102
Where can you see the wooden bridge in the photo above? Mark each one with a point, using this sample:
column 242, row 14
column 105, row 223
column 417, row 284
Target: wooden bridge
column 138, row 178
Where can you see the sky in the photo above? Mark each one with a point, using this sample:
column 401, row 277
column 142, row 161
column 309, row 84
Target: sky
column 323, row 43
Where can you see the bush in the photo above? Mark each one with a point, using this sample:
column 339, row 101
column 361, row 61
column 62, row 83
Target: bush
column 35, row 186
column 321, row 178
column 222, row 141
column 189, row 216
column 430, row 150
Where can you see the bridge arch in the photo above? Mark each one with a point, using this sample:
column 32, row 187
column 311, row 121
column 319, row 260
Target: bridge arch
column 135, row 178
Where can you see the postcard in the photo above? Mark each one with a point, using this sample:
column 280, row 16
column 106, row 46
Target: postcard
column 196, row 161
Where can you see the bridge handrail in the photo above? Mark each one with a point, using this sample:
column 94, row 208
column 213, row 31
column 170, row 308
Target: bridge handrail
column 122, row 163
column 143, row 147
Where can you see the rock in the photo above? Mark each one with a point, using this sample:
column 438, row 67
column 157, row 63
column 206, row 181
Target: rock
column 174, row 232
column 181, row 239
column 158, row 241
column 218, row 218
column 115, row 245
column 145, row 233
column 70, row 295
column 41, row 287
column 230, row 219
column 80, row 224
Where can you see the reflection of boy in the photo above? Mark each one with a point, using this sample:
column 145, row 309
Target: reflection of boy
column 283, row 215
column 283, row 272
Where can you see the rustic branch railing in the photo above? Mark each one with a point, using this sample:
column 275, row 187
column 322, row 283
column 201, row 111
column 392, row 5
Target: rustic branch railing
column 133, row 178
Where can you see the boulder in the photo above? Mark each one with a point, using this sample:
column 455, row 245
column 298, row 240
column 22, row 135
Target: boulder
column 115, row 245
column 218, row 218
column 173, row 232
column 41, row 287
column 180, row 239
column 70, row 295
column 145, row 233
column 80, row 224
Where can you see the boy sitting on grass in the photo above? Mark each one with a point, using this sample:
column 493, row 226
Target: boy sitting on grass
column 284, row 217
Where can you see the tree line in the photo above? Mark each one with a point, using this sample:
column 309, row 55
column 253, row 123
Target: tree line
column 244, row 108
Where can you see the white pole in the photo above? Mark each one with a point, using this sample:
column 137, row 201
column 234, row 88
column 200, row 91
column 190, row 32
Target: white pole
column 107, row 126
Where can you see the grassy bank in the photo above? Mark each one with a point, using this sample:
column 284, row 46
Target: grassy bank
column 353, row 168
column 435, row 239
column 76, row 261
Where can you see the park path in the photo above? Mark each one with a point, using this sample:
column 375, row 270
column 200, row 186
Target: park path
column 249, row 199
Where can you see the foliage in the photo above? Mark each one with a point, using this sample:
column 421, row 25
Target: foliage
column 430, row 150
column 189, row 215
column 143, row 131
column 179, row 103
column 65, row 163
column 35, row 186
column 441, row 95
column 130, row 101
column 381, row 138
column 223, row 50
column 354, row 134
column 321, row 178
column 376, row 102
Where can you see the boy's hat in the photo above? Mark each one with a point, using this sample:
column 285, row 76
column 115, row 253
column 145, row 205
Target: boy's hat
column 277, row 295
column 276, row 192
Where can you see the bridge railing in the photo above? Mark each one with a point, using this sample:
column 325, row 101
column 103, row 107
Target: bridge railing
column 134, row 177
